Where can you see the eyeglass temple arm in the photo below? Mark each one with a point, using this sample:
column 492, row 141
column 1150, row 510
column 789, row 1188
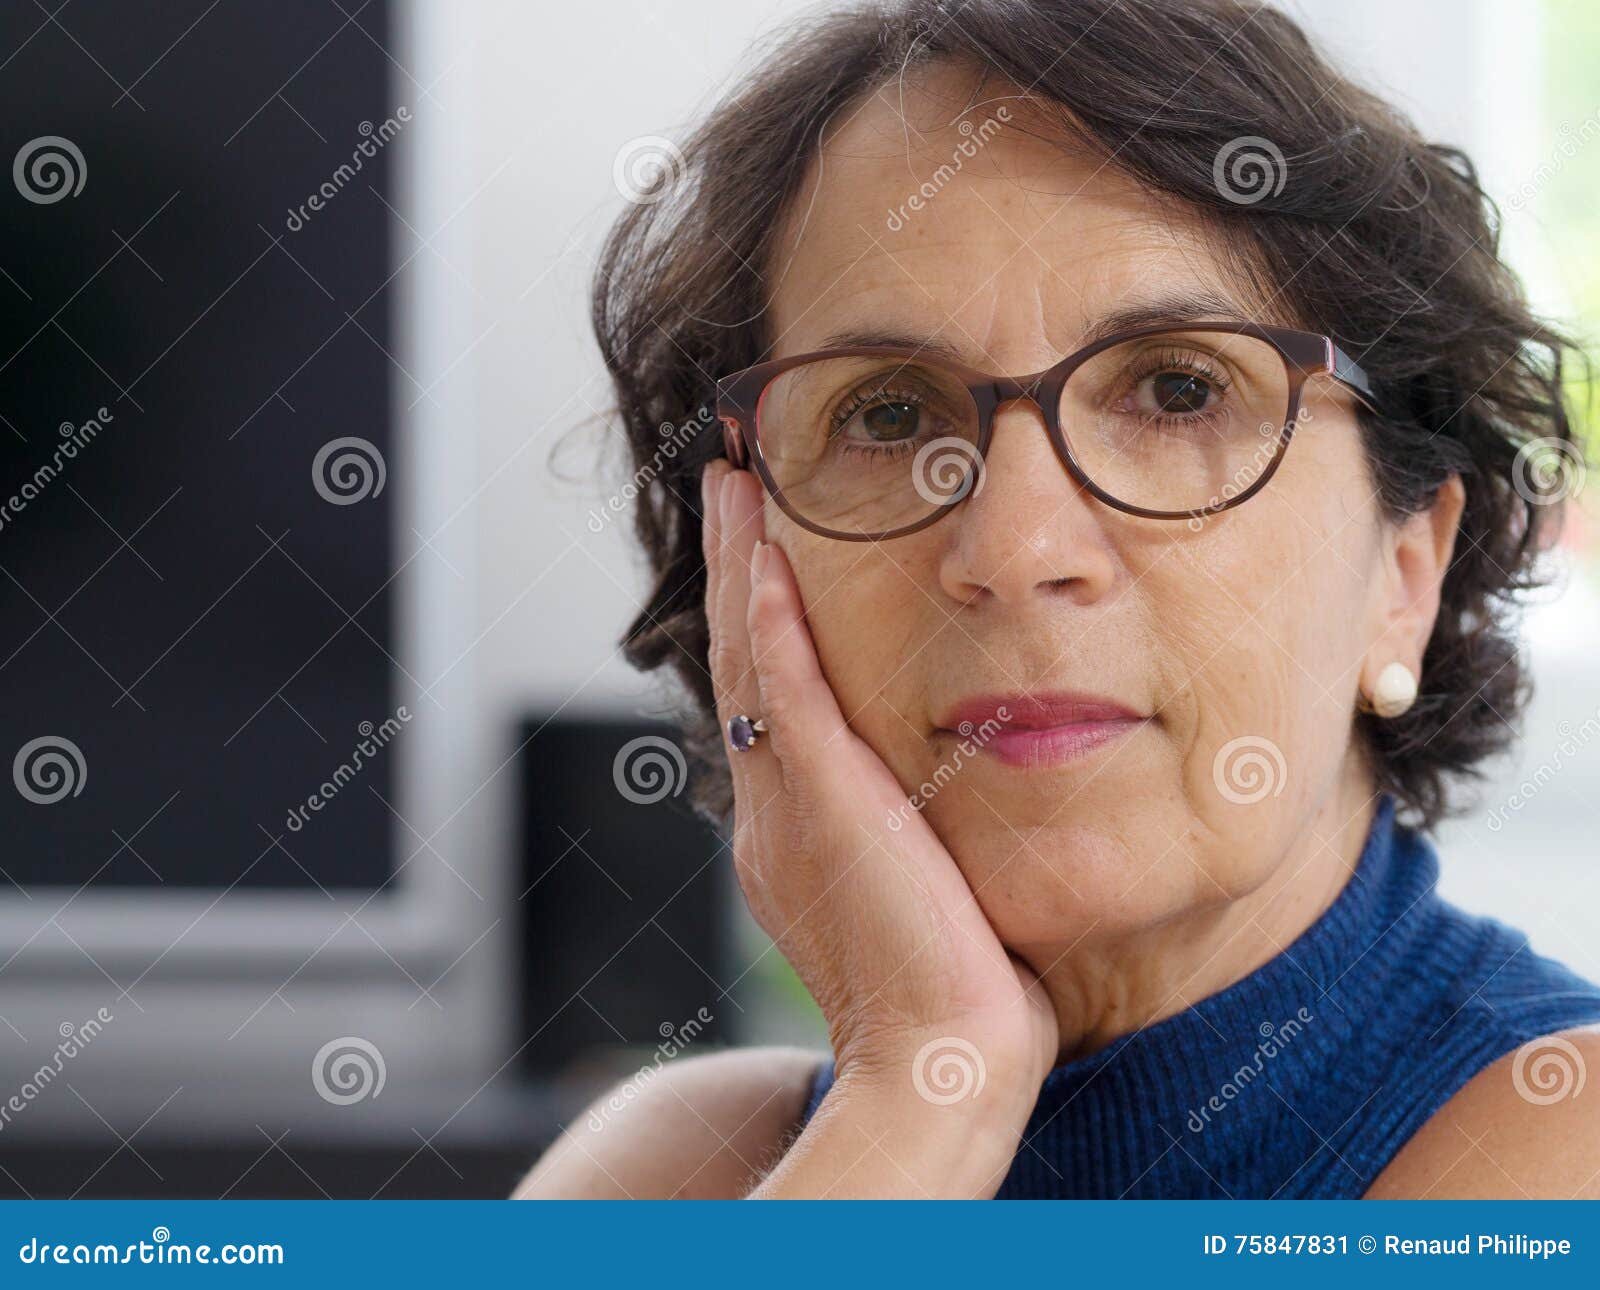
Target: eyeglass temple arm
column 1348, row 373
column 733, row 445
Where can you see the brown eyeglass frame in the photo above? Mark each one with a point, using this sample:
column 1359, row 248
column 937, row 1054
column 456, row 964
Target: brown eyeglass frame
column 1305, row 354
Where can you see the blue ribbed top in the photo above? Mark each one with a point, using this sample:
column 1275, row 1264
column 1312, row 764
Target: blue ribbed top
column 1304, row 1078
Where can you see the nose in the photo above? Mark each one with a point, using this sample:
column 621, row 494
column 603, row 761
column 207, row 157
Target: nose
column 1029, row 528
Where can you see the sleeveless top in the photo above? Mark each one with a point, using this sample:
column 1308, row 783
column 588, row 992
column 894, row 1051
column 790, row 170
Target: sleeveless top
column 1304, row 1078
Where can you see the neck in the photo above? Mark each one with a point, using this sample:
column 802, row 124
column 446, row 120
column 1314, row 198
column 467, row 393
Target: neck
column 1104, row 989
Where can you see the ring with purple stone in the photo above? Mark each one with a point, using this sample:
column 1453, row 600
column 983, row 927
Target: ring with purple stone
column 743, row 730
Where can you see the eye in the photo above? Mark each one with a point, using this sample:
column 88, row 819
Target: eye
column 1176, row 393
column 1172, row 385
column 878, row 414
column 887, row 422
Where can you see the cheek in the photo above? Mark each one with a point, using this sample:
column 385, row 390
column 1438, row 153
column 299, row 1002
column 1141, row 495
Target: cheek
column 870, row 625
column 1265, row 616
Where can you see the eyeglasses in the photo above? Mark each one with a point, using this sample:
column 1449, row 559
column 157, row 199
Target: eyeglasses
column 874, row 442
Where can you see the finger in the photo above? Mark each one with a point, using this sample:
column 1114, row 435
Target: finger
column 739, row 527
column 757, row 775
column 710, row 493
column 725, row 658
column 802, row 712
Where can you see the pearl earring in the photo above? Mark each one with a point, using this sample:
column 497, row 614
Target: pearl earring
column 1395, row 691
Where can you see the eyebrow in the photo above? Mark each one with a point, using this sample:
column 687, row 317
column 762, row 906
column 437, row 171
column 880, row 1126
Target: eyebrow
column 1153, row 311
column 1198, row 306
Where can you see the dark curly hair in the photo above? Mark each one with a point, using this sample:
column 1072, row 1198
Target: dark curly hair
column 1407, row 279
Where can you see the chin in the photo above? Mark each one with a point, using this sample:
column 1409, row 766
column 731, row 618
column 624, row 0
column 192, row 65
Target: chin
column 1101, row 867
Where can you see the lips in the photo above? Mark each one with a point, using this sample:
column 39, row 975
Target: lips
column 1038, row 730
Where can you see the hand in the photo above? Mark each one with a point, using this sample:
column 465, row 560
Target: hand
column 879, row 923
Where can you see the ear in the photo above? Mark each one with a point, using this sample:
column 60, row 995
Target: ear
column 1417, row 555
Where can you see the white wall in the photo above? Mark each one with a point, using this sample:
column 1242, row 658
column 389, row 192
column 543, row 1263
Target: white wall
column 552, row 93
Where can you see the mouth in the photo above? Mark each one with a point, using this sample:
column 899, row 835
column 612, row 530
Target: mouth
column 1033, row 731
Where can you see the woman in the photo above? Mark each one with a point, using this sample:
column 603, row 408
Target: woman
column 1130, row 442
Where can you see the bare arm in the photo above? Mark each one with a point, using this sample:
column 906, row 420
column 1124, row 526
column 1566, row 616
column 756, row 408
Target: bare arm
column 701, row 1128
column 1518, row 1130
column 873, row 1137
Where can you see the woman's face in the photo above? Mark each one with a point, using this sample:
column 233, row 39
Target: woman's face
column 1254, row 627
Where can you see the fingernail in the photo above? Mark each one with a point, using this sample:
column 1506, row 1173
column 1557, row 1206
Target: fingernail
column 758, row 563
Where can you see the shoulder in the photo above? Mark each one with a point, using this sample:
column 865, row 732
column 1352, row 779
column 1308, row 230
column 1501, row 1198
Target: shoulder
column 705, row 1127
column 1520, row 1129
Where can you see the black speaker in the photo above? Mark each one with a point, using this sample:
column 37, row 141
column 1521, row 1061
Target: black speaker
column 624, row 897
